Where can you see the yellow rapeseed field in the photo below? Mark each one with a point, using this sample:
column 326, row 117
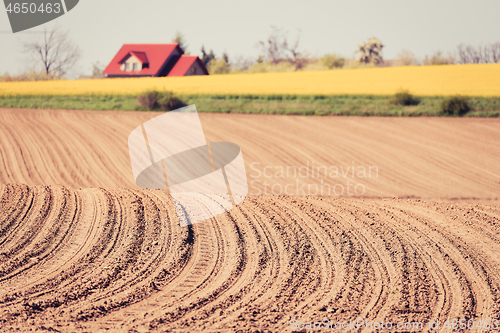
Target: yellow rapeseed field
column 472, row 80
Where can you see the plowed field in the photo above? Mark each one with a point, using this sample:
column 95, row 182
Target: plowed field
column 83, row 249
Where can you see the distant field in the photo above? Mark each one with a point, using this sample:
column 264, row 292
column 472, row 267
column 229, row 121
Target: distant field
column 469, row 80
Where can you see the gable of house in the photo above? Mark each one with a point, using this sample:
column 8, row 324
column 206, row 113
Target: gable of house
column 134, row 61
column 188, row 65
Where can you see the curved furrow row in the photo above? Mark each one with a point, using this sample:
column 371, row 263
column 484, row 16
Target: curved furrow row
column 142, row 261
column 62, row 255
column 251, row 296
column 31, row 245
column 299, row 276
column 230, row 284
column 368, row 270
column 326, row 257
column 20, row 213
column 15, row 202
column 247, row 303
column 58, row 285
column 463, row 285
column 170, row 275
column 247, row 283
column 414, row 291
column 163, row 255
column 102, row 283
column 479, row 262
column 220, row 261
column 98, row 259
column 356, row 271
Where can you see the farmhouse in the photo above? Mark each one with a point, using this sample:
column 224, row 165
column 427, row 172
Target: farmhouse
column 140, row 60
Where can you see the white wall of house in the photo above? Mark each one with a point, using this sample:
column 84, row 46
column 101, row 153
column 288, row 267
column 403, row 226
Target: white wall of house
column 131, row 60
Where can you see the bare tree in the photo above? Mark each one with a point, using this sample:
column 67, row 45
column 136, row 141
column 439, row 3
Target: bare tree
column 406, row 58
column 495, row 52
column 485, row 54
column 463, row 56
column 241, row 63
column 277, row 49
column 274, row 47
column 468, row 54
column 55, row 51
column 97, row 69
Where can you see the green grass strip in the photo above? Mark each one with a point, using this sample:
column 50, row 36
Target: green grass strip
column 323, row 105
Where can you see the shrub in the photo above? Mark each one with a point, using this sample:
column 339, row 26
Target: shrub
column 267, row 67
column 404, row 98
column 454, row 105
column 154, row 100
column 32, row 75
column 332, row 61
column 148, row 99
column 168, row 101
column 218, row 66
column 438, row 59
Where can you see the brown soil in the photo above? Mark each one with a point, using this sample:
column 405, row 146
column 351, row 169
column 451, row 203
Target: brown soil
column 83, row 249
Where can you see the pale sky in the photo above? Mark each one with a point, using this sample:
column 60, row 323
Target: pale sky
column 100, row 27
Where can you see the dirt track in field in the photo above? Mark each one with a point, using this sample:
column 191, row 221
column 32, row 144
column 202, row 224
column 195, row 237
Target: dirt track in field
column 92, row 251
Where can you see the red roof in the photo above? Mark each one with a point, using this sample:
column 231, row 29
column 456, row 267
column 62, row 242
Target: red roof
column 141, row 56
column 184, row 64
column 154, row 54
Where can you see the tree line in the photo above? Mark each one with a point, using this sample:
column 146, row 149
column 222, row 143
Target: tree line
column 278, row 53
column 54, row 55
